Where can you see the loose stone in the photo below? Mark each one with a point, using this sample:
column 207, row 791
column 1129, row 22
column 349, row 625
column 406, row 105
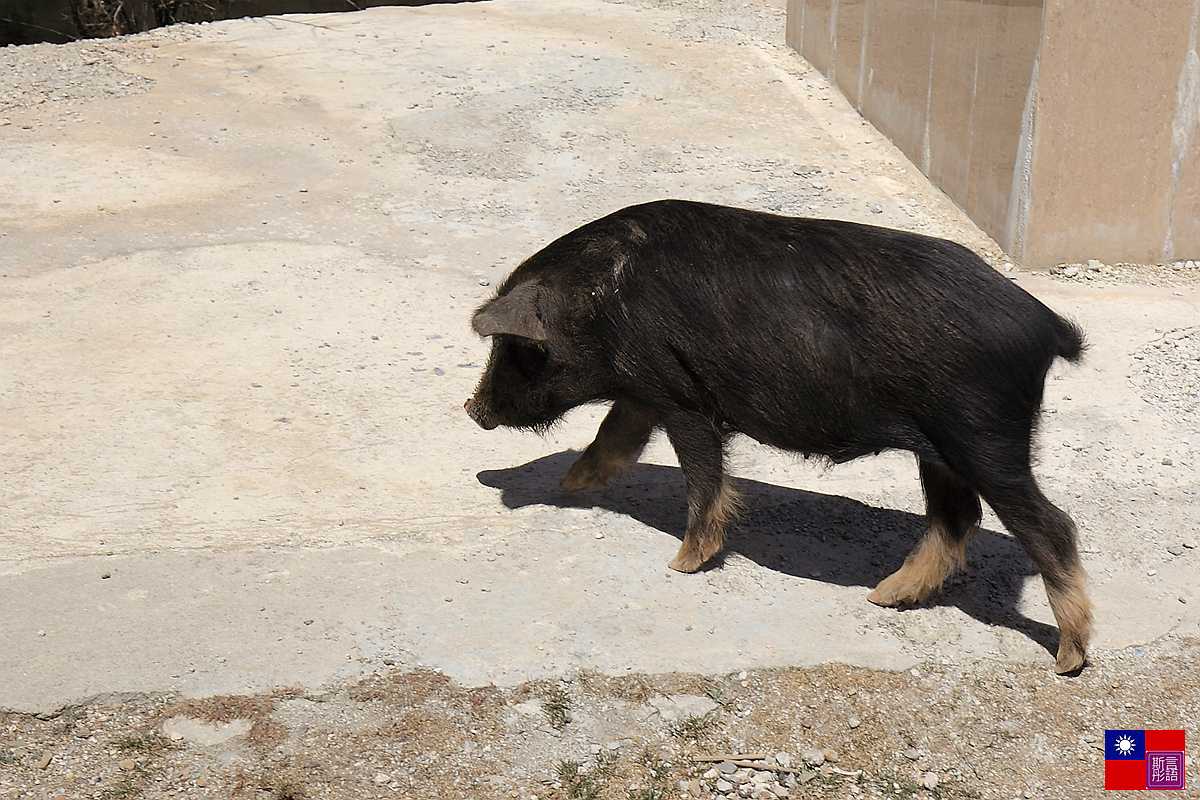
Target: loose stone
column 813, row 757
column 930, row 781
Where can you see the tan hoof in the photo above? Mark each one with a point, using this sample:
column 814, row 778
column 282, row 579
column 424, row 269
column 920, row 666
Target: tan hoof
column 691, row 557
column 897, row 590
column 682, row 563
column 583, row 474
column 1070, row 659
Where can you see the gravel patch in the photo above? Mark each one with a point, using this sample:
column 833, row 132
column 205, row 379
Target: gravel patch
column 75, row 73
column 945, row 729
column 1175, row 273
column 1169, row 374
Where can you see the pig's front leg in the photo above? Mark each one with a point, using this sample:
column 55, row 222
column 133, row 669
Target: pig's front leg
column 621, row 438
column 712, row 502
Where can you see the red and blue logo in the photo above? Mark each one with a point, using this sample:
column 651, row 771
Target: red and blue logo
column 1143, row 759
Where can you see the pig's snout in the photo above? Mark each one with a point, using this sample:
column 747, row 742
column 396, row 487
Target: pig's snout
column 475, row 413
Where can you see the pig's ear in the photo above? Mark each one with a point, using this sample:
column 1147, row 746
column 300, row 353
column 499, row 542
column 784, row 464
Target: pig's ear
column 515, row 314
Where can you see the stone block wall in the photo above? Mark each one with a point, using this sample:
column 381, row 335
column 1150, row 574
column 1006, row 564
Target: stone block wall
column 1067, row 129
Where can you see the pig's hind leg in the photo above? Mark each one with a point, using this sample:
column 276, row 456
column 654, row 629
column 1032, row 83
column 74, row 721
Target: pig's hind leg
column 712, row 502
column 952, row 515
column 621, row 438
column 1048, row 535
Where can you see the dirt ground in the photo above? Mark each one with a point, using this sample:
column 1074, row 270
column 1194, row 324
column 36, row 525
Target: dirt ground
column 254, row 548
column 984, row 729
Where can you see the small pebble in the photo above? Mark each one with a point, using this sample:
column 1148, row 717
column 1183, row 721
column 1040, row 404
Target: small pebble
column 1189, row 543
column 1175, row 550
column 126, row 765
column 726, row 767
column 830, row 755
column 853, row 722
column 876, row 209
column 724, row 786
column 484, row 281
column 44, row 761
column 813, row 757
column 930, row 781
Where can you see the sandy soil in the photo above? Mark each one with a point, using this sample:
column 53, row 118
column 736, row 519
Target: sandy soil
column 236, row 266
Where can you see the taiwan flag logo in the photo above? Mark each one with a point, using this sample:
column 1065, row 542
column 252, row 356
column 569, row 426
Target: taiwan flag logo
column 1143, row 759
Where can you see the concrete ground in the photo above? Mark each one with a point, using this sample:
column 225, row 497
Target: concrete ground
column 237, row 263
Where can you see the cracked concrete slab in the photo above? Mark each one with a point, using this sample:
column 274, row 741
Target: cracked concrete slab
column 235, row 283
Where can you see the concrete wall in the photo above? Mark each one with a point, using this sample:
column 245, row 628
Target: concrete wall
column 1067, row 129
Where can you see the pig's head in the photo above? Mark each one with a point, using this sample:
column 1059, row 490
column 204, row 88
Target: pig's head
column 527, row 382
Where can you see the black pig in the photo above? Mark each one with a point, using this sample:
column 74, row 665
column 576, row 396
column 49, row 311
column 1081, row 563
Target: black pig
column 820, row 337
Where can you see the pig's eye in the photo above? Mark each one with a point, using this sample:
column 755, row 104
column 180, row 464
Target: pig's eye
column 529, row 359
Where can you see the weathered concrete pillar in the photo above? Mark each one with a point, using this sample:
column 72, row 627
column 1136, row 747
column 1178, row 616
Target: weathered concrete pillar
column 1067, row 129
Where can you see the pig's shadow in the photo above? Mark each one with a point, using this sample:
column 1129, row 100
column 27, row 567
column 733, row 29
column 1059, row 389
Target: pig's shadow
column 796, row 532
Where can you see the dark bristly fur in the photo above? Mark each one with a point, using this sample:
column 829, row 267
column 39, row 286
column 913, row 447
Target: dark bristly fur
column 820, row 337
